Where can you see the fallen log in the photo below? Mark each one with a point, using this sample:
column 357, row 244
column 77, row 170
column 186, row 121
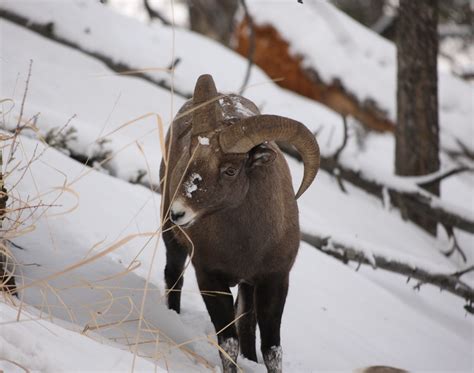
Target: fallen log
column 427, row 204
column 272, row 54
column 450, row 282
column 48, row 30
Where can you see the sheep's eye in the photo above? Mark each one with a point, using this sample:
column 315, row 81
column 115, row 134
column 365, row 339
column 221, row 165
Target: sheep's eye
column 230, row 171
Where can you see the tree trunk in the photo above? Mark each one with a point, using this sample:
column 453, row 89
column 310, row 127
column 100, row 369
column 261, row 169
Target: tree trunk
column 417, row 138
column 213, row 18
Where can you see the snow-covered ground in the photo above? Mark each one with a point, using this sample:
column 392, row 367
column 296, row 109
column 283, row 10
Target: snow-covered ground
column 97, row 315
column 336, row 318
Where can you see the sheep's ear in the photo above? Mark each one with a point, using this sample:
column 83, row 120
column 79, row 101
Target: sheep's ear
column 261, row 155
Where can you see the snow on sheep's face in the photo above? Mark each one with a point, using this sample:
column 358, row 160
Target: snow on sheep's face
column 207, row 180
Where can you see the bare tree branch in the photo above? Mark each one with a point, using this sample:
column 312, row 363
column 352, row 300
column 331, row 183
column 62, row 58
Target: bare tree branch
column 19, row 127
column 153, row 13
column 463, row 272
column 427, row 204
column 427, row 181
column 338, row 152
column 344, row 140
column 454, row 244
column 465, row 151
column 445, row 281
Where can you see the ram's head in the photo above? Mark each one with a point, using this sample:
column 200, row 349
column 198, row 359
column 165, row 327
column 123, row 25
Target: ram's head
column 229, row 145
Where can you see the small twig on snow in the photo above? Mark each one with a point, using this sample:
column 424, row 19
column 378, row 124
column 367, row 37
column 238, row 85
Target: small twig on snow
column 18, row 124
column 344, row 139
column 335, row 157
column 454, row 243
column 463, row 272
column 153, row 13
column 465, row 150
column 444, row 175
column 173, row 64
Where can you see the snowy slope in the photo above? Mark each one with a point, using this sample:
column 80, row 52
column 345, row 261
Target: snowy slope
column 101, row 101
column 121, row 99
column 356, row 55
column 157, row 46
column 351, row 320
column 336, row 318
column 130, row 160
column 39, row 345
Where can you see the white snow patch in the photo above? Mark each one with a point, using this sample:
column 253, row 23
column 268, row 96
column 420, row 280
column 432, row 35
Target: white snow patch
column 241, row 109
column 190, row 186
column 232, row 107
column 203, row 140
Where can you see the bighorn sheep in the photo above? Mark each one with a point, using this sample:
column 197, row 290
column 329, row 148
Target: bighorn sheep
column 227, row 189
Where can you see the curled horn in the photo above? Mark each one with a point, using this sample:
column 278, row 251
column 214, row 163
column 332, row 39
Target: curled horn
column 250, row 132
column 205, row 104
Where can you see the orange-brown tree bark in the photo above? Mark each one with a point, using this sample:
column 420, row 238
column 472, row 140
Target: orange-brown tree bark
column 272, row 54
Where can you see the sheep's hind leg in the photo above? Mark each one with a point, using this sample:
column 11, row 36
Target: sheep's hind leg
column 219, row 303
column 175, row 258
column 270, row 298
column 246, row 321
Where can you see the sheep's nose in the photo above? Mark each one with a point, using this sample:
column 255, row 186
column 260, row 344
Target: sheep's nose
column 181, row 214
column 176, row 216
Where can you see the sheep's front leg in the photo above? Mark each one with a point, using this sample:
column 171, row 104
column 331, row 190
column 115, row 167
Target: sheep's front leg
column 176, row 255
column 246, row 320
column 271, row 295
column 220, row 305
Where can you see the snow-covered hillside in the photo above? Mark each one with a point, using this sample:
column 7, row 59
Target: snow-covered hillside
column 102, row 302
